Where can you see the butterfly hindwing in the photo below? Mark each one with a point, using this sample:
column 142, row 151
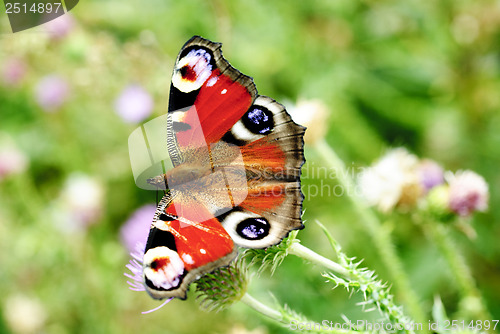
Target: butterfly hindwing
column 179, row 249
column 272, row 151
column 237, row 157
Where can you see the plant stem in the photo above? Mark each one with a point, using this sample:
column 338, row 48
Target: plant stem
column 261, row 308
column 471, row 297
column 285, row 319
column 303, row 252
column 381, row 236
column 356, row 278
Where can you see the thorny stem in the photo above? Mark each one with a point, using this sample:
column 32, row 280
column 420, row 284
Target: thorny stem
column 381, row 235
column 361, row 279
column 303, row 252
column 471, row 297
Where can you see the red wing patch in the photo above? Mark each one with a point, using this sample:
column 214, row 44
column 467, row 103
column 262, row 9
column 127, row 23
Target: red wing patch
column 201, row 244
column 220, row 103
column 200, row 240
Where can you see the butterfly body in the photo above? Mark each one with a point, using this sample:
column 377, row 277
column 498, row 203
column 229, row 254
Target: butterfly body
column 236, row 178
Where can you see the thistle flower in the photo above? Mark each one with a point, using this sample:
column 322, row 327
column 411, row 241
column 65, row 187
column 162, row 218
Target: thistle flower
column 135, row 267
column 136, row 228
column 51, row 92
column 468, row 192
column 391, row 181
column 430, row 173
column 312, row 114
column 134, row 104
column 13, row 71
column 60, row 27
column 222, row 287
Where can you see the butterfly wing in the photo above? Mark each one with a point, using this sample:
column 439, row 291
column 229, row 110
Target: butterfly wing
column 207, row 97
column 179, row 249
column 237, row 158
column 272, row 149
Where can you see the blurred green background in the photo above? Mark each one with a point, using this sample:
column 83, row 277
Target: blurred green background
column 419, row 74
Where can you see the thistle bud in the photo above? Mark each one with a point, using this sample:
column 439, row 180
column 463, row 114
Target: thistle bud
column 222, row 287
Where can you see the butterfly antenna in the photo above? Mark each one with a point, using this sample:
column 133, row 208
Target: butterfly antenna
column 159, row 307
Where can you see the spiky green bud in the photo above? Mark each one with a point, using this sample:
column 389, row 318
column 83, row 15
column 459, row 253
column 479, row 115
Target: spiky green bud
column 222, row 287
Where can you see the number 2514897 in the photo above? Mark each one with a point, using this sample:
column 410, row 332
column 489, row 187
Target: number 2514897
column 36, row 8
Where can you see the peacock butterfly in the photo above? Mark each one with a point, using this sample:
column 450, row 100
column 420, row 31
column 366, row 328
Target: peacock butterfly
column 235, row 181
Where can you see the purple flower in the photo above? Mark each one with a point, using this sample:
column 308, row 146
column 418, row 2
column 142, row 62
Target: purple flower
column 51, row 92
column 431, row 174
column 468, row 193
column 135, row 266
column 134, row 104
column 61, row 26
column 13, row 71
column 136, row 228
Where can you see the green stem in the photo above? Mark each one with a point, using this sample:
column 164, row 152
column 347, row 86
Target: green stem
column 355, row 278
column 471, row 297
column 261, row 308
column 286, row 320
column 303, row 252
column 381, row 236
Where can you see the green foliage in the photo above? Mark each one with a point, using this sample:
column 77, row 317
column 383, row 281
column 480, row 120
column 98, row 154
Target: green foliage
column 419, row 74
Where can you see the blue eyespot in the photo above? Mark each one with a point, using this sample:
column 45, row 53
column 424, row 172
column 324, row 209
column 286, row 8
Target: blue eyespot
column 259, row 120
column 253, row 228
